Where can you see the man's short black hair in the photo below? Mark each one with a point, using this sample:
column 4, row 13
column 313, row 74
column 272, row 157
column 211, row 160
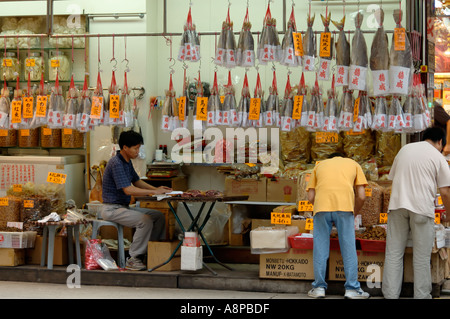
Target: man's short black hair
column 336, row 154
column 435, row 134
column 130, row 139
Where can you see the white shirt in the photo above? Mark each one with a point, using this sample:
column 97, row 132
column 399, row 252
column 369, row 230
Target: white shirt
column 417, row 172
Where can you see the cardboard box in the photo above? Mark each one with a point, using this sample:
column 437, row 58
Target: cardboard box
column 368, row 264
column 437, row 267
column 255, row 189
column 60, row 254
column 282, row 190
column 294, row 264
column 12, row 257
column 301, row 224
column 110, row 232
column 159, row 252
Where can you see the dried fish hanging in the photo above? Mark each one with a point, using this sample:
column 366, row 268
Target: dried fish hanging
column 326, row 49
column 200, row 107
column 113, row 108
column 97, row 106
column 57, row 106
column 257, row 105
column 272, row 111
column 170, row 119
column 72, row 106
column 5, row 108
column 342, row 55
column 396, row 121
column 287, row 107
column 288, row 56
column 244, row 104
column 358, row 58
column 126, row 105
column 229, row 104
column 85, row 109
column 28, row 106
column 380, row 116
column 317, row 105
column 226, row 46
column 420, row 118
column 214, row 105
column 379, row 58
column 345, row 122
column 309, row 45
column 40, row 114
column 331, row 111
column 245, row 53
column 269, row 48
column 190, row 42
column 183, row 113
column 419, row 93
column 303, row 91
column 401, row 63
column 362, row 116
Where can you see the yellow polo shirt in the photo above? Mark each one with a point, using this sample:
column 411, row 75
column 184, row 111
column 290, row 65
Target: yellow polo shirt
column 334, row 180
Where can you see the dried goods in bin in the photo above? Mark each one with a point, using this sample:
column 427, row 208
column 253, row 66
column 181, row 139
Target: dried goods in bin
column 387, row 146
column 373, row 205
column 11, row 211
column 72, row 138
column 321, row 151
column 295, row 146
column 29, row 137
column 8, row 138
column 360, row 147
column 50, row 137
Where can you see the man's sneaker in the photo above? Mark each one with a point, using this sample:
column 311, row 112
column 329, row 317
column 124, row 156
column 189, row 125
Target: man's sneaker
column 356, row 294
column 318, row 292
column 134, row 263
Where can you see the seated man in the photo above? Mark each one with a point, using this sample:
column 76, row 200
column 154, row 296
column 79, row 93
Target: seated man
column 120, row 182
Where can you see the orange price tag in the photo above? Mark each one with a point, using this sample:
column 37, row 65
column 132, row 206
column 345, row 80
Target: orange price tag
column 7, row 62
column 114, row 105
column 327, row 137
column 255, row 109
column 399, row 39
column 55, row 63
column 383, row 218
column 280, row 218
column 17, row 188
column 325, row 45
column 24, row 132
column 222, row 98
column 202, row 109
column 297, row 110
column 30, row 62
column 3, row 133
column 67, row 131
column 28, row 107
column 16, row 111
column 28, row 203
column 182, row 108
column 298, row 44
column 305, row 206
column 41, row 106
column 309, row 225
column 4, row 201
column 57, row 178
column 96, row 109
column 356, row 110
column 46, row 131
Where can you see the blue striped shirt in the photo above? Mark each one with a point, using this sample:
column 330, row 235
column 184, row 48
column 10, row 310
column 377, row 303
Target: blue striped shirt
column 118, row 174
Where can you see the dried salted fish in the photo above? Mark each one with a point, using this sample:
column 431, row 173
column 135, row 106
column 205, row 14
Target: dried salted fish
column 190, row 42
column 345, row 122
column 5, row 106
column 379, row 58
column 259, row 94
column 287, row 107
column 229, row 112
column 226, row 45
column 396, row 121
column 327, row 53
column 331, row 111
column 269, row 48
column 309, row 46
column 72, row 106
column 214, row 106
column 85, row 109
column 56, row 107
column 358, row 58
column 244, row 104
column 126, row 105
column 288, row 56
column 272, row 111
column 342, row 55
column 303, row 91
column 317, row 106
column 380, row 117
column 245, row 53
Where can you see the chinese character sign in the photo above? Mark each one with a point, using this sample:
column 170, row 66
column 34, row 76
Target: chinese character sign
column 357, row 78
column 399, row 79
column 380, row 79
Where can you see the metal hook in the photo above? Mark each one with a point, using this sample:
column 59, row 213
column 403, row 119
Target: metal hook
column 115, row 63
column 126, row 65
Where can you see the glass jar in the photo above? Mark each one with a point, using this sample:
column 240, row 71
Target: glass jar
column 50, row 137
column 72, row 138
column 8, row 138
column 10, row 67
column 29, row 137
column 59, row 63
column 34, row 64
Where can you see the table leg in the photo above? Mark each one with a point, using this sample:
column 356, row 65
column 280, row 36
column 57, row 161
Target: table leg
column 70, row 243
column 44, row 245
column 51, row 245
column 76, row 230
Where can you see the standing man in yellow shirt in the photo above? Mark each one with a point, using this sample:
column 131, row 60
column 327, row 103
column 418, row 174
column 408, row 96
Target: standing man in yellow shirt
column 337, row 190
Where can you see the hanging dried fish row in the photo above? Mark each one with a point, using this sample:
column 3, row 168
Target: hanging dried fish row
column 269, row 48
column 288, row 57
column 190, row 42
column 245, row 53
column 272, row 111
column 226, row 46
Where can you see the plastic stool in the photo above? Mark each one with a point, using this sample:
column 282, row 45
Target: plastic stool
column 97, row 224
column 49, row 233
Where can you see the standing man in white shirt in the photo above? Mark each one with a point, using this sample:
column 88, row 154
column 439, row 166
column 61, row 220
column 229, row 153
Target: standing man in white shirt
column 418, row 172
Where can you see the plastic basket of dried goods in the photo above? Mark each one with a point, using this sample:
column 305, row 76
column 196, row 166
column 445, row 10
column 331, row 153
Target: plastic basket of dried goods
column 301, row 241
column 17, row 239
column 372, row 245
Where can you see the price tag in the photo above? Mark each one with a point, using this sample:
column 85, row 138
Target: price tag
column 24, row 132
column 16, row 111
column 383, row 218
column 114, row 105
column 255, row 109
column 305, row 206
column 67, row 131
column 17, row 188
column 280, row 218
column 41, row 106
column 326, row 137
column 55, row 63
column 399, row 39
column 353, row 133
column 309, row 224
column 356, row 110
column 439, row 201
column 325, row 45
column 297, row 110
column 28, row 203
column 202, row 109
column 437, row 218
column 56, row 178
column 46, row 131
column 368, row 191
column 28, row 107
column 4, row 201
column 182, row 108
column 30, row 62
column 96, row 109
column 298, row 44
column 3, row 133
column 7, row 62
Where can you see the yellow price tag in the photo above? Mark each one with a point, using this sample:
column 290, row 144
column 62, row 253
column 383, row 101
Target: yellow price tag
column 16, row 111
column 46, row 131
column 96, row 109
column 202, row 109
column 28, row 107
column 297, row 109
column 3, row 133
column 255, row 109
column 222, row 99
column 28, row 203
column 182, row 108
column 30, row 62
column 25, row 132
column 4, row 201
column 67, row 131
column 439, row 201
column 280, row 218
column 7, row 62
column 17, row 188
column 325, row 45
column 383, row 218
column 437, row 218
column 114, row 106
column 368, row 191
column 399, row 39
column 298, row 44
column 356, row 110
column 353, row 133
column 309, row 224
column 56, row 178
column 327, row 137
column 305, row 206
column 55, row 63
column 41, row 106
